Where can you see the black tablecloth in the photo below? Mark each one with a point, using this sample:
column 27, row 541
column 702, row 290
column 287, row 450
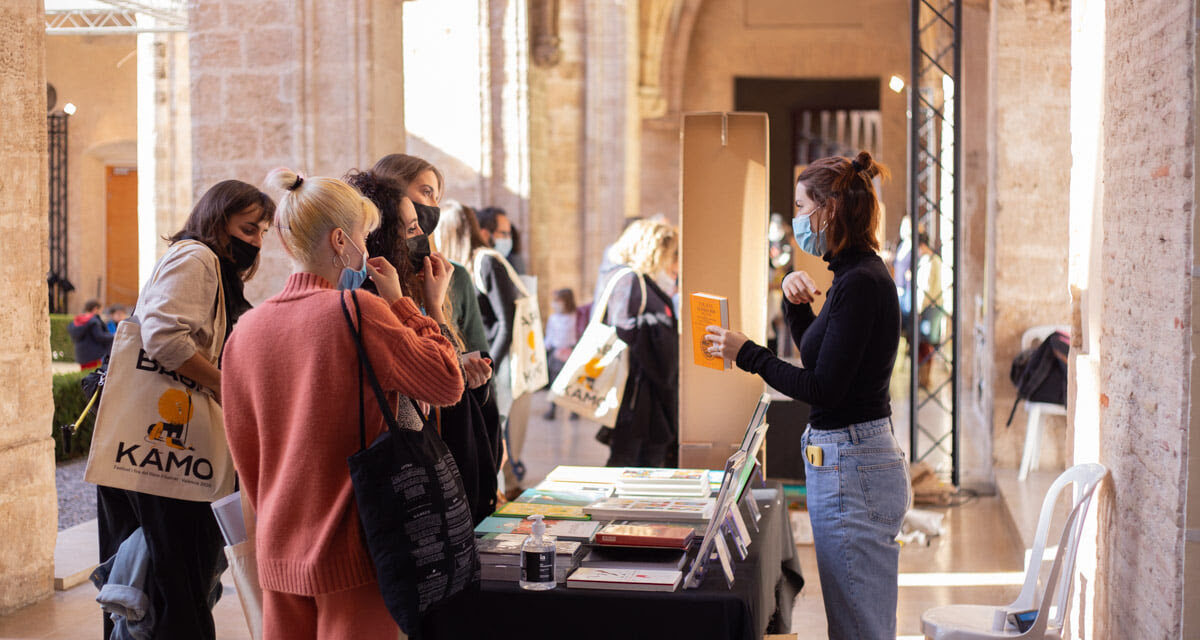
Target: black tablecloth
column 765, row 586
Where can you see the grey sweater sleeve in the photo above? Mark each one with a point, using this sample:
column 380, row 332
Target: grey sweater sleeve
column 177, row 309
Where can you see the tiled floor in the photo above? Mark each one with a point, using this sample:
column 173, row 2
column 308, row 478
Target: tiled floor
column 977, row 561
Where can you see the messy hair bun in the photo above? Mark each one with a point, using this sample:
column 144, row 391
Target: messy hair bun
column 845, row 196
column 312, row 207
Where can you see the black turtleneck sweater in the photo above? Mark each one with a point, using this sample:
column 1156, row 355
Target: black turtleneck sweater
column 848, row 351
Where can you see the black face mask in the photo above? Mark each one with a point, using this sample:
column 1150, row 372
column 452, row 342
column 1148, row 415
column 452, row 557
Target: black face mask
column 244, row 253
column 418, row 250
column 427, row 217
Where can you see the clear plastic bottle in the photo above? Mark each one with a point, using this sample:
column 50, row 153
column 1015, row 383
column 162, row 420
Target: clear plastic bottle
column 537, row 558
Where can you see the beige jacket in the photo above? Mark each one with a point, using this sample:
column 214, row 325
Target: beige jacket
column 182, row 309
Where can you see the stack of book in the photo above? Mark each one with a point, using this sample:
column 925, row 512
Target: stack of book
column 500, row 557
column 653, row 509
column 667, row 483
column 573, row 497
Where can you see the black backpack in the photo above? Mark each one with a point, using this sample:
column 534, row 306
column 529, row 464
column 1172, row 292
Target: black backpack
column 1040, row 373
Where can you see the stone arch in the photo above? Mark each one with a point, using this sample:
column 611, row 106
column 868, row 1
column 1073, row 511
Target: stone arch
column 665, row 28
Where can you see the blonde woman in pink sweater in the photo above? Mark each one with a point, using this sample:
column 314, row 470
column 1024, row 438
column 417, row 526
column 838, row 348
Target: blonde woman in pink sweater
column 291, row 407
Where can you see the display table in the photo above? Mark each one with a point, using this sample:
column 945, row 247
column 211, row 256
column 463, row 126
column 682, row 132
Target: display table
column 765, row 586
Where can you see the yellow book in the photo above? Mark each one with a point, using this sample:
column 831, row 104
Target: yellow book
column 708, row 309
column 550, row 511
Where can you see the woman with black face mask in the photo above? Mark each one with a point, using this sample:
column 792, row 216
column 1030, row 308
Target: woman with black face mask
column 402, row 238
column 214, row 253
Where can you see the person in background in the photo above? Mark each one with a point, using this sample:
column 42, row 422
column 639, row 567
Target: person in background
column 514, row 256
column 90, row 335
column 498, row 293
column 403, row 242
column 497, row 230
column 560, row 337
column 292, row 390
column 646, row 432
column 116, row 315
column 422, row 184
column 216, row 251
column 857, row 474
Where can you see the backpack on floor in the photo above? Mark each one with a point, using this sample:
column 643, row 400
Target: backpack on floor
column 1040, row 373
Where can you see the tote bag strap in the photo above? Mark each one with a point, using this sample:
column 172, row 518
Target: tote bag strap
column 364, row 363
column 512, row 273
column 602, row 304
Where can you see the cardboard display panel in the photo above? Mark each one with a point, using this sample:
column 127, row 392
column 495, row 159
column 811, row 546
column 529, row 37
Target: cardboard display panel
column 723, row 226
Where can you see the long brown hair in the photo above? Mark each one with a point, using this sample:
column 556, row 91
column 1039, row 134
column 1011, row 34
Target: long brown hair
column 209, row 219
column 845, row 197
column 404, row 168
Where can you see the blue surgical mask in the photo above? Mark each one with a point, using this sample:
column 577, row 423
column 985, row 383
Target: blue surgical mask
column 504, row 246
column 811, row 242
column 353, row 278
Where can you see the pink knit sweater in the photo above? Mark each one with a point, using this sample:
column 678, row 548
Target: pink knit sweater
column 290, row 389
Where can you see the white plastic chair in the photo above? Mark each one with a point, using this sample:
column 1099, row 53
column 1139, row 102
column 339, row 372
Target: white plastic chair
column 978, row 622
column 1035, row 411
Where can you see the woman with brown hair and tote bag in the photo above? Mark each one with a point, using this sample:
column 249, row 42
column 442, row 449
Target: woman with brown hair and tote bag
column 183, row 326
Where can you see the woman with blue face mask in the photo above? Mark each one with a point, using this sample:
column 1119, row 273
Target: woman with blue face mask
column 856, row 474
column 293, row 405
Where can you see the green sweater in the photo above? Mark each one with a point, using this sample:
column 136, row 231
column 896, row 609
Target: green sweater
column 466, row 309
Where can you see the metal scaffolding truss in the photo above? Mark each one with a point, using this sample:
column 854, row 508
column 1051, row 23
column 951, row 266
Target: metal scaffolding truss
column 933, row 208
column 112, row 17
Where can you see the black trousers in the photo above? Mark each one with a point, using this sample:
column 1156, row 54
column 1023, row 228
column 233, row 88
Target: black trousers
column 184, row 542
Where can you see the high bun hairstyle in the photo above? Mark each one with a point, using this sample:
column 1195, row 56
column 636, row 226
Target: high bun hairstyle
column 312, row 207
column 844, row 193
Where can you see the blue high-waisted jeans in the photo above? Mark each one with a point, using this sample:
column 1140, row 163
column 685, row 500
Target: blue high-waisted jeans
column 856, row 500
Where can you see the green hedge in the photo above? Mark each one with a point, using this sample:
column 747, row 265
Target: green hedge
column 61, row 347
column 69, row 402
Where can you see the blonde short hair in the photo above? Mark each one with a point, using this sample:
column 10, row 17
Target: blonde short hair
column 647, row 246
column 313, row 207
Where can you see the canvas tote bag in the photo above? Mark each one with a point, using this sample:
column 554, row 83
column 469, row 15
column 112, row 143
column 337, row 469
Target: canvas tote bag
column 527, row 354
column 243, row 566
column 158, row 432
column 592, row 381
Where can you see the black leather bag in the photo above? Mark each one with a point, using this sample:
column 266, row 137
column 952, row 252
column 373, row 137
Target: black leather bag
column 414, row 512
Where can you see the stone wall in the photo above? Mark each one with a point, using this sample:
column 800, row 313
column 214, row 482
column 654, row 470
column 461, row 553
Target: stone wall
column 1146, row 258
column 28, row 508
column 312, row 87
column 1030, row 191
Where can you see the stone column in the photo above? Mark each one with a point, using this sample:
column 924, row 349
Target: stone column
column 1031, row 66
column 555, row 238
column 314, row 86
column 28, row 506
column 611, row 126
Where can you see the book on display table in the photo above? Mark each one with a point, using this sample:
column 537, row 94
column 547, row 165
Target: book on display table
column 577, row 530
column 645, row 534
column 656, row 509
column 555, row 511
column 566, row 498
column 624, row 579
column 682, row 483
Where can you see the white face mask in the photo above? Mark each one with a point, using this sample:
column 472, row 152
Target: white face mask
column 666, row 282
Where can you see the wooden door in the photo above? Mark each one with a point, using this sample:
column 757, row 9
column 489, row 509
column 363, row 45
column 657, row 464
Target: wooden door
column 121, row 236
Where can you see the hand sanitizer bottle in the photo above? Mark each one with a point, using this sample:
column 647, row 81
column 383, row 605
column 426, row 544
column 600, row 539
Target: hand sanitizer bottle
column 537, row 558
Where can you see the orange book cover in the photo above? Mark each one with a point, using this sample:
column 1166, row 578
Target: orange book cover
column 708, row 309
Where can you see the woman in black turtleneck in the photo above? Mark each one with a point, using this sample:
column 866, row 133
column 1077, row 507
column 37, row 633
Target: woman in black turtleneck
column 857, row 477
